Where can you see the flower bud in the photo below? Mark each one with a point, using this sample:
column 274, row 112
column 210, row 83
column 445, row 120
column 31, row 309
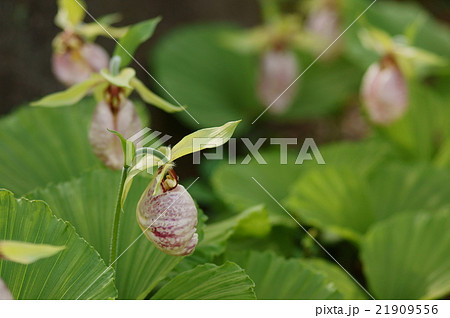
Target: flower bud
column 122, row 118
column 74, row 60
column 384, row 92
column 278, row 70
column 169, row 219
column 5, row 294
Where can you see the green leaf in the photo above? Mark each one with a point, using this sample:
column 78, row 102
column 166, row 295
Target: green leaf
column 71, row 95
column 26, row 253
column 406, row 257
column 282, row 240
column 335, row 199
column 186, row 64
column 336, row 275
column 204, row 139
column 251, row 222
column 89, row 205
column 406, row 188
column 136, row 35
column 122, row 79
column 417, row 132
column 128, row 148
column 348, row 203
column 235, row 186
column 324, row 89
column 77, row 272
column 209, row 281
column 442, row 158
column 44, row 145
column 70, row 13
column 278, row 278
column 149, row 97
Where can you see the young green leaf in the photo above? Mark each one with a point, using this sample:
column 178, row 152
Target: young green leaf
column 203, row 139
column 122, row 79
column 71, row 95
column 77, row 272
column 128, row 147
column 149, row 97
column 26, row 253
column 136, row 35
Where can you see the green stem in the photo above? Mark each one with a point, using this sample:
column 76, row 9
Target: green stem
column 115, row 231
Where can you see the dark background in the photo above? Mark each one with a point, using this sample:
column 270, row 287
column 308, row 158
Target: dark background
column 27, row 30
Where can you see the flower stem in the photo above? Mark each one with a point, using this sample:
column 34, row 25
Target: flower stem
column 115, row 230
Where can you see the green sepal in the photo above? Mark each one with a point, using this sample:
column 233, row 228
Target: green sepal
column 71, row 95
column 151, row 98
column 123, row 79
column 70, row 13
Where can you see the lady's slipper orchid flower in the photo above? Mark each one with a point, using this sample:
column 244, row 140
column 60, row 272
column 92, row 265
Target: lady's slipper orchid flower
column 166, row 212
column 74, row 60
column 278, row 70
column 114, row 111
column 274, row 42
column 323, row 25
column 75, row 56
column 121, row 117
column 384, row 88
column 385, row 92
column 168, row 219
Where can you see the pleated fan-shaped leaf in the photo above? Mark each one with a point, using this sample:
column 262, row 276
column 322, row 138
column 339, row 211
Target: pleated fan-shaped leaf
column 278, row 278
column 336, row 275
column 77, row 272
column 235, row 186
column 209, row 281
column 41, row 145
column 407, row 256
column 88, row 203
column 348, row 203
